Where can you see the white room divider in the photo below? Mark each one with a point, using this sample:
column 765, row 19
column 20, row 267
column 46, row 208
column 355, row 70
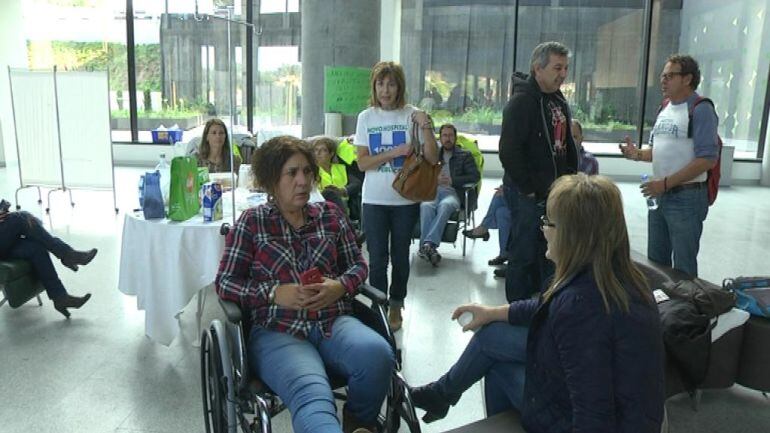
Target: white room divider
column 63, row 130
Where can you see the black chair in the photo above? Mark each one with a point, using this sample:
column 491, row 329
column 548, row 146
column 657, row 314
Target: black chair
column 19, row 283
column 233, row 398
column 459, row 220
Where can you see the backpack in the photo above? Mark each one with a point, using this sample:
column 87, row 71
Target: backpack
column 715, row 172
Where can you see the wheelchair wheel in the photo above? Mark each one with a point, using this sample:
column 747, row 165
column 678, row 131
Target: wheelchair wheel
column 213, row 384
column 400, row 408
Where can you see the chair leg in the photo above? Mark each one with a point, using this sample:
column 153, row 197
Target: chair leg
column 39, row 301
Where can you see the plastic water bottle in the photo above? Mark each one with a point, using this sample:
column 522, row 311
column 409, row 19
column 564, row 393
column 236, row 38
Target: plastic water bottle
column 652, row 202
column 165, row 177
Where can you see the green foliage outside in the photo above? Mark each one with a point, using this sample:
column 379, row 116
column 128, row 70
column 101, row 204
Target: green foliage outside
column 98, row 56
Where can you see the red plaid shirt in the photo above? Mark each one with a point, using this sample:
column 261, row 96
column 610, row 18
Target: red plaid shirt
column 263, row 250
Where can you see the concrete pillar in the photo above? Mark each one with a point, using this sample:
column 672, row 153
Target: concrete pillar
column 334, row 33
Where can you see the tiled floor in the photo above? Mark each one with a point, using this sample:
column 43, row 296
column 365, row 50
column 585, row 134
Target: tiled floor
column 99, row 373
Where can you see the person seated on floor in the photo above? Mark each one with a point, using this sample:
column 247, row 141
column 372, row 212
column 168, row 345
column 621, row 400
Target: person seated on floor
column 587, row 355
column 302, row 330
column 334, row 183
column 214, row 149
column 458, row 169
column 587, row 162
column 22, row 236
column 498, row 217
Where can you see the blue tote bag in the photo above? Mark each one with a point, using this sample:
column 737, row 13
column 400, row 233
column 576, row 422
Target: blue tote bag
column 152, row 205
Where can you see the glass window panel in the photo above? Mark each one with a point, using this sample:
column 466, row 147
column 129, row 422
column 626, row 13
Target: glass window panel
column 605, row 62
column 459, row 58
column 183, row 70
column 76, row 35
column 277, row 92
column 729, row 41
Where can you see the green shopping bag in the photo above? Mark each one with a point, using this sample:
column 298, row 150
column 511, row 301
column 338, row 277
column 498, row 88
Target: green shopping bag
column 183, row 195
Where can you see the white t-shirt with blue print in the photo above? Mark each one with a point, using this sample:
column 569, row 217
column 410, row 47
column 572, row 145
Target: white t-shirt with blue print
column 380, row 130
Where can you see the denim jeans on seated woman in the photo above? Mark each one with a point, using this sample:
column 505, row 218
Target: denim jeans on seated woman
column 295, row 369
column 496, row 353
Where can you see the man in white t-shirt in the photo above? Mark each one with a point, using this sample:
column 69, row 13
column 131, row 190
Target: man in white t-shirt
column 681, row 155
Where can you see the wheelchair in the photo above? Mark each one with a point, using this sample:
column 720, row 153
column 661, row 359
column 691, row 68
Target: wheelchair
column 233, row 398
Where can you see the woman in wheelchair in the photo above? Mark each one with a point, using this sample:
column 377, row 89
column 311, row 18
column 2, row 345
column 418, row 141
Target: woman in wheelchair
column 293, row 267
column 590, row 347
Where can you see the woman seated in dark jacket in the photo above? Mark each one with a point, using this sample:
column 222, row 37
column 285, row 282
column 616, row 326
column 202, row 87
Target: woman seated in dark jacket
column 303, row 328
column 587, row 356
column 22, row 236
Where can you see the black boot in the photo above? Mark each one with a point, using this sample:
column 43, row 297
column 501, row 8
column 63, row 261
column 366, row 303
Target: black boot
column 68, row 301
column 432, row 401
column 74, row 258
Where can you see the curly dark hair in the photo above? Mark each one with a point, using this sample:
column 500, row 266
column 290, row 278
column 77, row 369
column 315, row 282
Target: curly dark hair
column 688, row 66
column 268, row 160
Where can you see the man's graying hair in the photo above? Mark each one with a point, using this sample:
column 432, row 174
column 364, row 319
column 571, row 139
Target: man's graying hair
column 542, row 54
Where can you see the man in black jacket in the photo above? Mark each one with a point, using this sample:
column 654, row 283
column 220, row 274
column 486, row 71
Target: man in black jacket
column 536, row 147
column 458, row 169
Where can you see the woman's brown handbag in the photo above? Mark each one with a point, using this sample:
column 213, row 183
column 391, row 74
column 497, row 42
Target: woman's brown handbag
column 418, row 178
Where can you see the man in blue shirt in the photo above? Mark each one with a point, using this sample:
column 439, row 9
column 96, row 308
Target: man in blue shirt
column 680, row 162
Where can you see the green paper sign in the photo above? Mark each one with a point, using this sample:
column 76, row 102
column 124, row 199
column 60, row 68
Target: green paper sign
column 346, row 89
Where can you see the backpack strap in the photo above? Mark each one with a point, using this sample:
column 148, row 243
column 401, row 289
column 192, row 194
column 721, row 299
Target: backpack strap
column 698, row 100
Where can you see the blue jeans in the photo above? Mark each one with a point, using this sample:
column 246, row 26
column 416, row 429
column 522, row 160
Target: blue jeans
column 497, row 353
column 434, row 215
column 675, row 228
column 499, row 217
column 389, row 226
column 22, row 236
column 296, row 370
column 528, row 269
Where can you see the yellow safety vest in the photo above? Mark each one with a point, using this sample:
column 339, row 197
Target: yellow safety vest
column 338, row 176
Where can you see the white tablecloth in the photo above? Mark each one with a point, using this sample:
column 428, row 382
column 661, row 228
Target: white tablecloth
column 164, row 264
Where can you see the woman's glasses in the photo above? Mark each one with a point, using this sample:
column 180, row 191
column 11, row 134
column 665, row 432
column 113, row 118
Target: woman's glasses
column 545, row 222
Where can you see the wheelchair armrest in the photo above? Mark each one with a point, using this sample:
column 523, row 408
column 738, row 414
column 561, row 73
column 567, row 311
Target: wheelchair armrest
column 374, row 294
column 232, row 311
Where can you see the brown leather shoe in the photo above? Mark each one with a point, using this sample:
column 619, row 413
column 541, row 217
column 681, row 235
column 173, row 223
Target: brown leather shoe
column 395, row 320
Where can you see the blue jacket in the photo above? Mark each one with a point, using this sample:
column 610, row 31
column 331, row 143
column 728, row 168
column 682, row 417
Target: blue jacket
column 587, row 370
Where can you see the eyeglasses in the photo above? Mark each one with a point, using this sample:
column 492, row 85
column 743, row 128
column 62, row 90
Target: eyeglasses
column 545, row 222
column 669, row 75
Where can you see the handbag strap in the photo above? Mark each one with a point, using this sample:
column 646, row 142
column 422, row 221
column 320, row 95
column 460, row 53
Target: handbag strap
column 415, row 136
